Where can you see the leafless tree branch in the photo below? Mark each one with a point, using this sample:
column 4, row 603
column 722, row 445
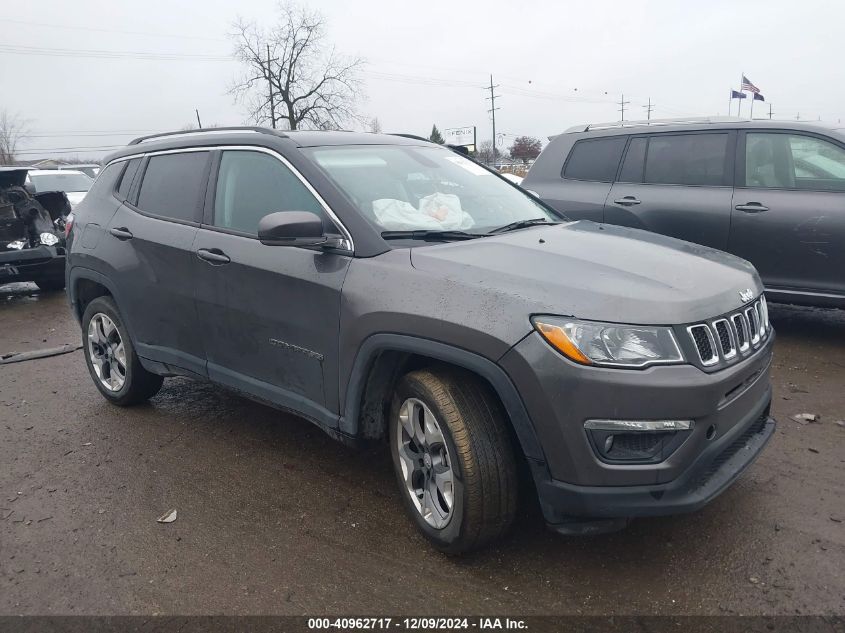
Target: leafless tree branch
column 305, row 83
column 12, row 129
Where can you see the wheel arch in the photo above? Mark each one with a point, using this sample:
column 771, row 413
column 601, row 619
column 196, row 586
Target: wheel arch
column 84, row 286
column 383, row 358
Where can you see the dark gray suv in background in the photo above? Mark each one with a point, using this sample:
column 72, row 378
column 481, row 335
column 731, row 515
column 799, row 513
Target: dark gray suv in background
column 386, row 288
column 771, row 192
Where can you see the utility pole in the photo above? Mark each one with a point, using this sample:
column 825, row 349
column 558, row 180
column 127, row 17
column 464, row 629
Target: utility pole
column 199, row 123
column 623, row 103
column 270, row 85
column 798, row 117
column 492, row 111
column 770, row 111
column 648, row 109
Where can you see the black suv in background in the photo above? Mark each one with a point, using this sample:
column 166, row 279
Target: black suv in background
column 771, row 192
column 387, row 288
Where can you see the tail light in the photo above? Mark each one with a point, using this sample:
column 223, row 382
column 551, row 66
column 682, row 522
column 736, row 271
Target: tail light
column 68, row 224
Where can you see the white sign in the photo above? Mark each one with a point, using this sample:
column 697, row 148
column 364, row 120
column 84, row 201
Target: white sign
column 459, row 135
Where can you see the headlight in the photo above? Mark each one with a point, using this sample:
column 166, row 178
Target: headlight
column 609, row 344
column 48, row 239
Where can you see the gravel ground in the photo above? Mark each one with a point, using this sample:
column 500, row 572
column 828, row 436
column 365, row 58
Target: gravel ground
column 276, row 518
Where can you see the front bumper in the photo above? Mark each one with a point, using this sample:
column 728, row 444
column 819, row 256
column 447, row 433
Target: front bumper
column 31, row 264
column 732, row 425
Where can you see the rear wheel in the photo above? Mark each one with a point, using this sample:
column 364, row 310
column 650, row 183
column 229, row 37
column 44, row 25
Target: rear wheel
column 453, row 458
column 115, row 368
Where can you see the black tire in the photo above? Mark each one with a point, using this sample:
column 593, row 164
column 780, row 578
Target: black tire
column 139, row 384
column 51, row 285
column 474, row 427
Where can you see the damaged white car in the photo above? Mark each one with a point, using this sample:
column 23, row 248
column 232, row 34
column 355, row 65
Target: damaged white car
column 32, row 231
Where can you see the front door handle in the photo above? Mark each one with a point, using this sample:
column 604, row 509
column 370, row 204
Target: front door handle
column 121, row 233
column 627, row 201
column 213, row 256
column 751, row 207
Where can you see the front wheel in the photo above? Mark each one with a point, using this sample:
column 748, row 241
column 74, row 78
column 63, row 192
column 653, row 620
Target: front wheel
column 453, row 458
column 111, row 358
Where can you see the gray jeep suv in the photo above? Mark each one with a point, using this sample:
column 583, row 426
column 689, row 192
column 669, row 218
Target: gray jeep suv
column 386, row 288
column 771, row 192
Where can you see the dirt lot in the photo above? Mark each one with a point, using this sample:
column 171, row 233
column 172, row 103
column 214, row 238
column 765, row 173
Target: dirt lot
column 276, row 518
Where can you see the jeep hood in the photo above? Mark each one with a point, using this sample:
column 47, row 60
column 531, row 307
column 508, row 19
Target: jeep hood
column 596, row 271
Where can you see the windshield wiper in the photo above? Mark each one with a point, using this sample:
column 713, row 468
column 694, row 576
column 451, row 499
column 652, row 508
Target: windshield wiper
column 427, row 234
column 521, row 224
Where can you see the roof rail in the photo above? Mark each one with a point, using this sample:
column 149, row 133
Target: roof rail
column 682, row 121
column 214, row 130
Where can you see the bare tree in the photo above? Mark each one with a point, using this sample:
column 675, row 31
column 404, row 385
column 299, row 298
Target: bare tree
column 485, row 153
column 375, row 125
column 294, row 78
column 12, row 130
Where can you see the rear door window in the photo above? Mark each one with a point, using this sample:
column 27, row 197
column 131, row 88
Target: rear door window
column 686, row 159
column 595, row 159
column 174, row 185
column 634, row 163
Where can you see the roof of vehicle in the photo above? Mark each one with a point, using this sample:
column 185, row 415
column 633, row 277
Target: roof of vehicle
column 252, row 136
column 76, row 166
column 52, row 172
column 697, row 123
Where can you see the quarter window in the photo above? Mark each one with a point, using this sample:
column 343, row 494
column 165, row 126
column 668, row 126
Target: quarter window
column 251, row 185
column 595, row 159
column 128, row 177
column 793, row 161
column 174, row 185
column 686, row 159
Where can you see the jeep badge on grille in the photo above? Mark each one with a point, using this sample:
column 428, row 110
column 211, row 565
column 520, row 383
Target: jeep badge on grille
column 746, row 295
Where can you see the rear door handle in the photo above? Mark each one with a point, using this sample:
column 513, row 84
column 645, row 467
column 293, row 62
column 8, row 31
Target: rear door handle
column 751, row 207
column 121, row 233
column 213, row 256
column 627, row 201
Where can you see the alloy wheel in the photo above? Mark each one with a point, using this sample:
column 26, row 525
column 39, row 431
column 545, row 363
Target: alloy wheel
column 425, row 462
column 106, row 351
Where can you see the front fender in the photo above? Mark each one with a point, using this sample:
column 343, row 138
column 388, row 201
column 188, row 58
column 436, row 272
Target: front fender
column 487, row 369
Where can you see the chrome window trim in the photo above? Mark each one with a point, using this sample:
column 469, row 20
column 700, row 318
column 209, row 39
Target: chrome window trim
column 347, row 243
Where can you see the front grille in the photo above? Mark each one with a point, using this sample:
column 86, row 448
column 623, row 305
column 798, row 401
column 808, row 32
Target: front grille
column 703, row 339
column 733, row 335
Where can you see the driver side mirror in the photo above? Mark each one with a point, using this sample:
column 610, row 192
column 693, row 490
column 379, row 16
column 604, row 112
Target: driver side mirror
column 291, row 228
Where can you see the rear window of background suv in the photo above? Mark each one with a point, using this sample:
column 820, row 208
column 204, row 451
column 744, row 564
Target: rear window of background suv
column 594, row 159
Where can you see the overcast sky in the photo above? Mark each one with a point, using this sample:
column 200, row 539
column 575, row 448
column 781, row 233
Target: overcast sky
column 557, row 63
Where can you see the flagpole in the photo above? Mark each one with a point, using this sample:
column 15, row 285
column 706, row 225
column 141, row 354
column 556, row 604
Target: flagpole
column 731, row 100
column 751, row 116
column 742, row 92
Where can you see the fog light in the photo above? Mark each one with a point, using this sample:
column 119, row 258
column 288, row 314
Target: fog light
column 48, row 239
column 17, row 245
column 639, row 425
column 637, row 441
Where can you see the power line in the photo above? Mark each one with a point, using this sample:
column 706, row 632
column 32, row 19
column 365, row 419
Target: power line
column 17, row 49
column 103, row 30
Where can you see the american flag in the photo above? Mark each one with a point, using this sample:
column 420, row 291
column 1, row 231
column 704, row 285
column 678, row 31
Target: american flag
column 747, row 85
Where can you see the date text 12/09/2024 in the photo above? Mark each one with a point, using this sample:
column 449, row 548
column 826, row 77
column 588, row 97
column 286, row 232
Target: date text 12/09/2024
column 416, row 624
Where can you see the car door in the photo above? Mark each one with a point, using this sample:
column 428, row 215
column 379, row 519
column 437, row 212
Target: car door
column 150, row 239
column 789, row 210
column 269, row 315
column 677, row 184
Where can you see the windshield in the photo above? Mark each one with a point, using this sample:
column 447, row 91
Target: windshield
column 406, row 188
column 61, row 182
